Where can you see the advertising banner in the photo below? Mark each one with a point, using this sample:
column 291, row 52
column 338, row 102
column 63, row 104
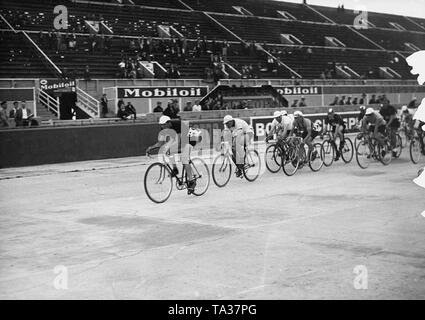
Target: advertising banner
column 57, row 85
column 161, row 92
column 262, row 125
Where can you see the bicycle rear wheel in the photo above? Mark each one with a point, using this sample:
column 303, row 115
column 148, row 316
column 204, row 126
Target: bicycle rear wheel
column 316, row 162
column 363, row 154
column 415, row 150
column 252, row 166
column 201, row 173
column 328, row 153
column 221, row 170
column 290, row 161
column 158, row 183
column 347, row 153
column 272, row 158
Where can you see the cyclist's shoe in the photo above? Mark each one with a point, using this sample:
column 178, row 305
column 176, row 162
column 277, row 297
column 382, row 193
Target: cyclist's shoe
column 175, row 172
column 191, row 187
column 338, row 155
column 239, row 172
column 394, row 154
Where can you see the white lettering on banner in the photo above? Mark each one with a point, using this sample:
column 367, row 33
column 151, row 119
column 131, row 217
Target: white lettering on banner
column 262, row 125
column 299, row 90
column 55, row 84
column 168, row 92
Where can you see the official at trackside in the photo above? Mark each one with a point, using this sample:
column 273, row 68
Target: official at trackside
column 4, row 119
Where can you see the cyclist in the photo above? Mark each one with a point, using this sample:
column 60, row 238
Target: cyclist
column 419, row 126
column 306, row 128
column 172, row 132
column 241, row 135
column 276, row 125
column 374, row 118
column 407, row 121
column 389, row 113
column 281, row 125
column 338, row 125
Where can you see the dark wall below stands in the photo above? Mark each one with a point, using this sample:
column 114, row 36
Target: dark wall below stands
column 39, row 146
column 57, row 145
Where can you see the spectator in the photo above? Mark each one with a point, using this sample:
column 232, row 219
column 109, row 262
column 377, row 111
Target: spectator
column 355, row 101
column 4, row 120
column 348, row 102
column 362, row 100
column 158, row 107
column 12, row 112
column 302, row 102
column 173, row 72
column 342, row 101
column 131, row 110
column 373, row 100
column 335, row 102
column 23, row 115
column 122, row 112
column 172, row 110
column 295, row 104
column 188, row 106
column 123, row 72
column 104, row 104
column 197, row 107
column 87, row 75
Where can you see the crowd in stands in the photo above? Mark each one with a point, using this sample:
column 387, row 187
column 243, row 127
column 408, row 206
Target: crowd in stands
column 362, row 100
column 19, row 115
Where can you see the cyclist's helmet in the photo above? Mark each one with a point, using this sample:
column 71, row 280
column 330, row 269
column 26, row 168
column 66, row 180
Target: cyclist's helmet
column 164, row 120
column 277, row 114
column 227, row 119
column 404, row 109
column 298, row 114
column 284, row 113
column 331, row 111
column 369, row 111
column 362, row 108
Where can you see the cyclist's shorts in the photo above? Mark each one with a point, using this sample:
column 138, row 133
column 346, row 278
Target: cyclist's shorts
column 343, row 128
column 371, row 128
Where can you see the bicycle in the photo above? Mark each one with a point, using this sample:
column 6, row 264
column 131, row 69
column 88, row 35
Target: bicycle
column 329, row 151
column 222, row 166
column 159, row 176
column 369, row 148
column 295, row 157
column 406, row 133
column 398, row 142
column 416, row 150
column 273, row 156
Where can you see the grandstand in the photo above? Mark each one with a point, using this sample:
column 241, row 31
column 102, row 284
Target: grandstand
column 170, row 42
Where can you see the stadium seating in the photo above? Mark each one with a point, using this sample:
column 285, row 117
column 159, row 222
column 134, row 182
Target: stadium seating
column 138, row 18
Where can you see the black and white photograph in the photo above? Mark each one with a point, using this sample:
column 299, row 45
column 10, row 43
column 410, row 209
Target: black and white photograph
column 212, row 154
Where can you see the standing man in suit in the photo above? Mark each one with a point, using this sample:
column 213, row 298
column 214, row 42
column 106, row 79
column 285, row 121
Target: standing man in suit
column 104, row 104
column 23, row 116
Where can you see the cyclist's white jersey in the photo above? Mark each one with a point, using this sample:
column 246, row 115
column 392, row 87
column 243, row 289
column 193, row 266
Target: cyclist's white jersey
column 240, row 127
column 286, row 123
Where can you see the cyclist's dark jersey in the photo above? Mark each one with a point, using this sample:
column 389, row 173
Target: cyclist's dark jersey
column 336, row 120
column 361, row 115
column 388, row 111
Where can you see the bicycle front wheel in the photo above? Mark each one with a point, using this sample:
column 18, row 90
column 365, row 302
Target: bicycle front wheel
column 272, row 158
column 347, row 152
column 316, row 161
column 158, row 183
column 221, row 170
column 363, row 154
column 201, row 174
column 398, row 146
column 415, row 151
column 290, row 161
column 328, row 153
column 252, row 166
